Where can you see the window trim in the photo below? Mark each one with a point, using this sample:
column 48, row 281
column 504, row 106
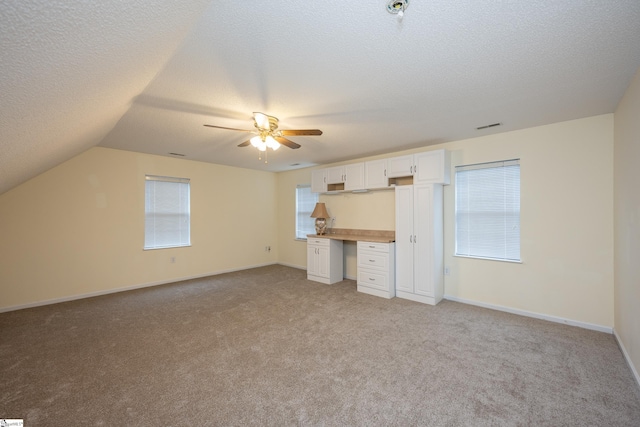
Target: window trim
column 167, row 179
column 295, row 231
column 488, row 165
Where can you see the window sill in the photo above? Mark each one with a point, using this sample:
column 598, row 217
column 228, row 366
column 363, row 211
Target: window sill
column 512, row 261
column 166, row 247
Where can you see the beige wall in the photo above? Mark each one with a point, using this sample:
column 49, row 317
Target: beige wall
column 627, row 222
column 566, row 221
column 78, row 229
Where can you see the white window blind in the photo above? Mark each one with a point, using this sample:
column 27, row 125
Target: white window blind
column 488, row 210
column 167, row 212
column 305, row 203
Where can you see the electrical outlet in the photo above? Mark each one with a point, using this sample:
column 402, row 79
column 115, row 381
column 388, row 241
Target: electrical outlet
column 447, row 271
column 267, row 248
column 172, row 260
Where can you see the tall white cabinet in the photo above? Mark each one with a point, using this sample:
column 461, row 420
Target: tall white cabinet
column 419, row 243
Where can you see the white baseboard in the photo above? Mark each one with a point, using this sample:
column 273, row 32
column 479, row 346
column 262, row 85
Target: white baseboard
column 555, row 319
column 627, row 357
column 299, row 267
column 125, row 288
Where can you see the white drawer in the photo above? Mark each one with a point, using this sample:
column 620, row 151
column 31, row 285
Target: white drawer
column 374, row 260
column 373, row 280
column 372, row 246
column 317, row 241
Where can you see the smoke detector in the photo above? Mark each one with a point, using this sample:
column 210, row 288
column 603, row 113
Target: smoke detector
column 397, row 7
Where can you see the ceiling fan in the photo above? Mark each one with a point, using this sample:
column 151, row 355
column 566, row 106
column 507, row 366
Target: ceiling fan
column 268, row 135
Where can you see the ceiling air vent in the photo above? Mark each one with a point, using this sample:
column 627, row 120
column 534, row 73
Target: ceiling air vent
column 489, row 126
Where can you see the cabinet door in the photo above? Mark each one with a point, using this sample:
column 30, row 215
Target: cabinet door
column 323, row 261
column 375, row 174
column 400, row 166
column 423, row 240
column 335, row 175
column 312, row 260
column 354, row 176
column 404, row 238
column 432, row 167
column 319, row 181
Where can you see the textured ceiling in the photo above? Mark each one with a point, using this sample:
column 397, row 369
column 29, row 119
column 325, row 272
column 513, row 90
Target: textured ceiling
column 146, row 75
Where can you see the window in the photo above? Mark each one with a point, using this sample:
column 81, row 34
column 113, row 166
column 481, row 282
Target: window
column 167, row 215
column 305, row 202
column 488, row 210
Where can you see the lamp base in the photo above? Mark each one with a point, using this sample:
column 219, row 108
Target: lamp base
column 321, row 226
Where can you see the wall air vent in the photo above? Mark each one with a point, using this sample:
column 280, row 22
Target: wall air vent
column 489, row 126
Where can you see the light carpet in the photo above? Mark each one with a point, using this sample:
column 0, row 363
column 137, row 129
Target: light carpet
column 267, row 347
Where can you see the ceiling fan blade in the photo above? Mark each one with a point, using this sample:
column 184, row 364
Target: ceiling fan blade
column 286, row 142
column 291, row 132
column 222, row 127
column 244, row 144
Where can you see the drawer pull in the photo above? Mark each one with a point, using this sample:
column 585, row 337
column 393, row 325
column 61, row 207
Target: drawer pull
column 372, row 279
column 372, row 260
column 371, row 246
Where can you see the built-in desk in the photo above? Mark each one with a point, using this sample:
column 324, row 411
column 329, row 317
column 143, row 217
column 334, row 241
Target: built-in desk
column 376, row 259
column 355, row 235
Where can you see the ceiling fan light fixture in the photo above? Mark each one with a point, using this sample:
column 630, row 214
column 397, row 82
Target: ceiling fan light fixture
column 272, row 143
column 256, row 141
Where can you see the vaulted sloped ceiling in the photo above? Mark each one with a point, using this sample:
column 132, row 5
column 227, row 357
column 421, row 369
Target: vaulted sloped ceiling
column 146, row 75
column 70, row 69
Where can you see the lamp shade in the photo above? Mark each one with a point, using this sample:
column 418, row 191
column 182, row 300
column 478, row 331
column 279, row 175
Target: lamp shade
column 320, row 211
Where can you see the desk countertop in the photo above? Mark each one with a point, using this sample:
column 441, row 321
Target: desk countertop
column 353, row 235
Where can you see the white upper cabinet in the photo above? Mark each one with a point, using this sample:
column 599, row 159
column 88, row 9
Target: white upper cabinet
column 354, row 177
column 319, row 181
column 375, row 174
column 430, row 167
column 400, row 166
column 335, row 175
